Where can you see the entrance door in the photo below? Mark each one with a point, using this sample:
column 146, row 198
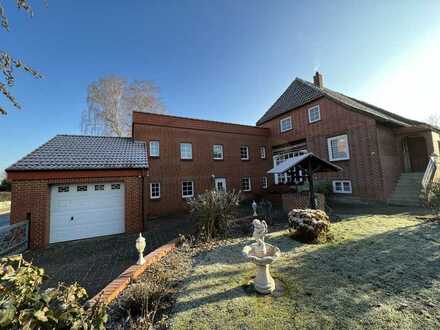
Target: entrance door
column 220, row 184
column 418, row 153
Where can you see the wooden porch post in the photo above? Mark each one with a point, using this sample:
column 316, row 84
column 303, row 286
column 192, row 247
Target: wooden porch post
column 312, row 202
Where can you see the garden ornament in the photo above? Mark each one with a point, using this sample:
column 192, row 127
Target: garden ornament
column 140, row 246
column 262, row 255
column 254, row 207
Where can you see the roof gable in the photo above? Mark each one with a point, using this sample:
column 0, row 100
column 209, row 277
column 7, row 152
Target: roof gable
column 301, row 92
column 78, row 152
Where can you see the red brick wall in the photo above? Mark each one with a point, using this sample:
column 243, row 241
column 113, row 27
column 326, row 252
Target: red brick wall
column 170, row 170
column 33, row 197
column 363, row 168
column 301, row 201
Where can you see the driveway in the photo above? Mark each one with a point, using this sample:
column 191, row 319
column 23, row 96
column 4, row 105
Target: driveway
column 94, row 263
column 4, row 219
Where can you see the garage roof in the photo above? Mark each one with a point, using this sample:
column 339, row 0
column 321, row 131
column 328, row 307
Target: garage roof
column 80, row 152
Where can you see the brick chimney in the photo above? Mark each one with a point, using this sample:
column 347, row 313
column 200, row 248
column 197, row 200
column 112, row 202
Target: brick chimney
column 318, row 81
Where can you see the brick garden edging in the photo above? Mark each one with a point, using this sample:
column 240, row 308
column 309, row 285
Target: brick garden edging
column 115, row 287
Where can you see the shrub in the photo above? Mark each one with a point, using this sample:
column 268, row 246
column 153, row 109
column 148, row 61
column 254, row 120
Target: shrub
column 435, row 197
column 310, row 226
column 213, row 210
column 5, row 185
column 142, row 304
column 24, row 305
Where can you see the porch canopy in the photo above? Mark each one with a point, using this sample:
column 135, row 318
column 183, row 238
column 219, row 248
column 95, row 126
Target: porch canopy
column 309, row 164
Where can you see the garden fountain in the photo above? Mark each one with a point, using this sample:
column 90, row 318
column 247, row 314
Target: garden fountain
column 262, row 255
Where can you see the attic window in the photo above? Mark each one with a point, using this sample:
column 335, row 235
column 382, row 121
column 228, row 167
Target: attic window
column 314, row 114
column 286, row 124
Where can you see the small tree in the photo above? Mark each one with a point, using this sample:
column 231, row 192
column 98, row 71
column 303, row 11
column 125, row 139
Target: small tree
column 434, row 119
column 5, row 185
column 111, row 102
column 213, row 211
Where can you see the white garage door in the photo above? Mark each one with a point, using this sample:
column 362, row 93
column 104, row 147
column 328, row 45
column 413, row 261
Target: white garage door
column 86, row 210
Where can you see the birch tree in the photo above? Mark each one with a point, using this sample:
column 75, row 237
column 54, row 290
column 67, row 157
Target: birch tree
column 111, row 102
column 8, row 63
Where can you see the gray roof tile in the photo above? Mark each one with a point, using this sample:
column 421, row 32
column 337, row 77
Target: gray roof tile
column 79, row 152
column 301, row 92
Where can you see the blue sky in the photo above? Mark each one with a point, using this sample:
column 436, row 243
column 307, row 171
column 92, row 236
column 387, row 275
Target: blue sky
column 223, row 60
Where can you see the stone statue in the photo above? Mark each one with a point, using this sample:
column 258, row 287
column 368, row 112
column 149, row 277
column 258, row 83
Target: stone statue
column 262, row 255
column 260, row 230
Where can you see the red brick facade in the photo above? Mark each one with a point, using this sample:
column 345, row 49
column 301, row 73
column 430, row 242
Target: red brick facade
column 378, row 150
column 31, row 198
column 169, row 170
column 364, row 166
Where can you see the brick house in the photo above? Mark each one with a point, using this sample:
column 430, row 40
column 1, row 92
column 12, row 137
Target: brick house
column 81, row 186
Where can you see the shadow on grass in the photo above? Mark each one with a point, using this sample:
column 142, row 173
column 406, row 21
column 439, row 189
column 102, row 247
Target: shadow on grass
column 347, row 280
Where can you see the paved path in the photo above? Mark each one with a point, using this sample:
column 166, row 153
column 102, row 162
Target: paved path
column 94, row 263
column 4, row 219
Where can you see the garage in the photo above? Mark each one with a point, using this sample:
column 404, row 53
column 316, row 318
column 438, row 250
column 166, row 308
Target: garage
column 86, row 210
column 75, row 187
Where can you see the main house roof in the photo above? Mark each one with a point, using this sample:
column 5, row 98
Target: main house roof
column 301, row 92
column 79, row 152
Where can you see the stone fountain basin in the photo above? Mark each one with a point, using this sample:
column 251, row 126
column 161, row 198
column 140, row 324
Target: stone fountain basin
column 272, row 254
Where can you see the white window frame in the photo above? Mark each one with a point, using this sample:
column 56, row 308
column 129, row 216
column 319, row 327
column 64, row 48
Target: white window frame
column 342, row 191
column 183, row 153
column 263, row 153
column 329, row 147
column 158, row 148
column 249, row 181
column 192, row 189
column 151, row 190
column 213, row 151
column 282, row 121
column 247, row 152
column 310, row 110
column 264, row 182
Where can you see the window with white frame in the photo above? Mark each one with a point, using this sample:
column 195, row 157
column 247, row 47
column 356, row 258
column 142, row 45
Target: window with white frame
column 338, row 148
column 187, row 189
column 286, row 124
column 154, row 149
column 314, row 114
column 217, row 151
column 342, row 186
column 264, row 182
column 185, row 151
column 245, row 184
column 244, row 153
column 154, row 190
column 286, row 177
column 263, row 152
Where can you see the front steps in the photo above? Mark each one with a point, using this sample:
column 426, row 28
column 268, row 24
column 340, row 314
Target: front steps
column 408, row 189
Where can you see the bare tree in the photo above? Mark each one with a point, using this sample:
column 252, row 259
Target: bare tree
column 111, row 102
column 434, row 119
column 8, row 63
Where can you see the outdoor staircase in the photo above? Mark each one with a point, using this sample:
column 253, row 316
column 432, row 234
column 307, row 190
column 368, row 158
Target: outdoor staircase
column 408, row 190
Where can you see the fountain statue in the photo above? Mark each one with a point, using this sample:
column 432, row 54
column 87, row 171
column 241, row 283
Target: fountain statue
column 262, row 255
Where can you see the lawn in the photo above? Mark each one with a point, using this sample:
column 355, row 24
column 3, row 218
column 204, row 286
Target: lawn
column 379, row 272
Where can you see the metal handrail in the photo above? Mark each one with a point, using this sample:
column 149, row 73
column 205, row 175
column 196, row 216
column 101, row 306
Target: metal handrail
column 429, row 173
